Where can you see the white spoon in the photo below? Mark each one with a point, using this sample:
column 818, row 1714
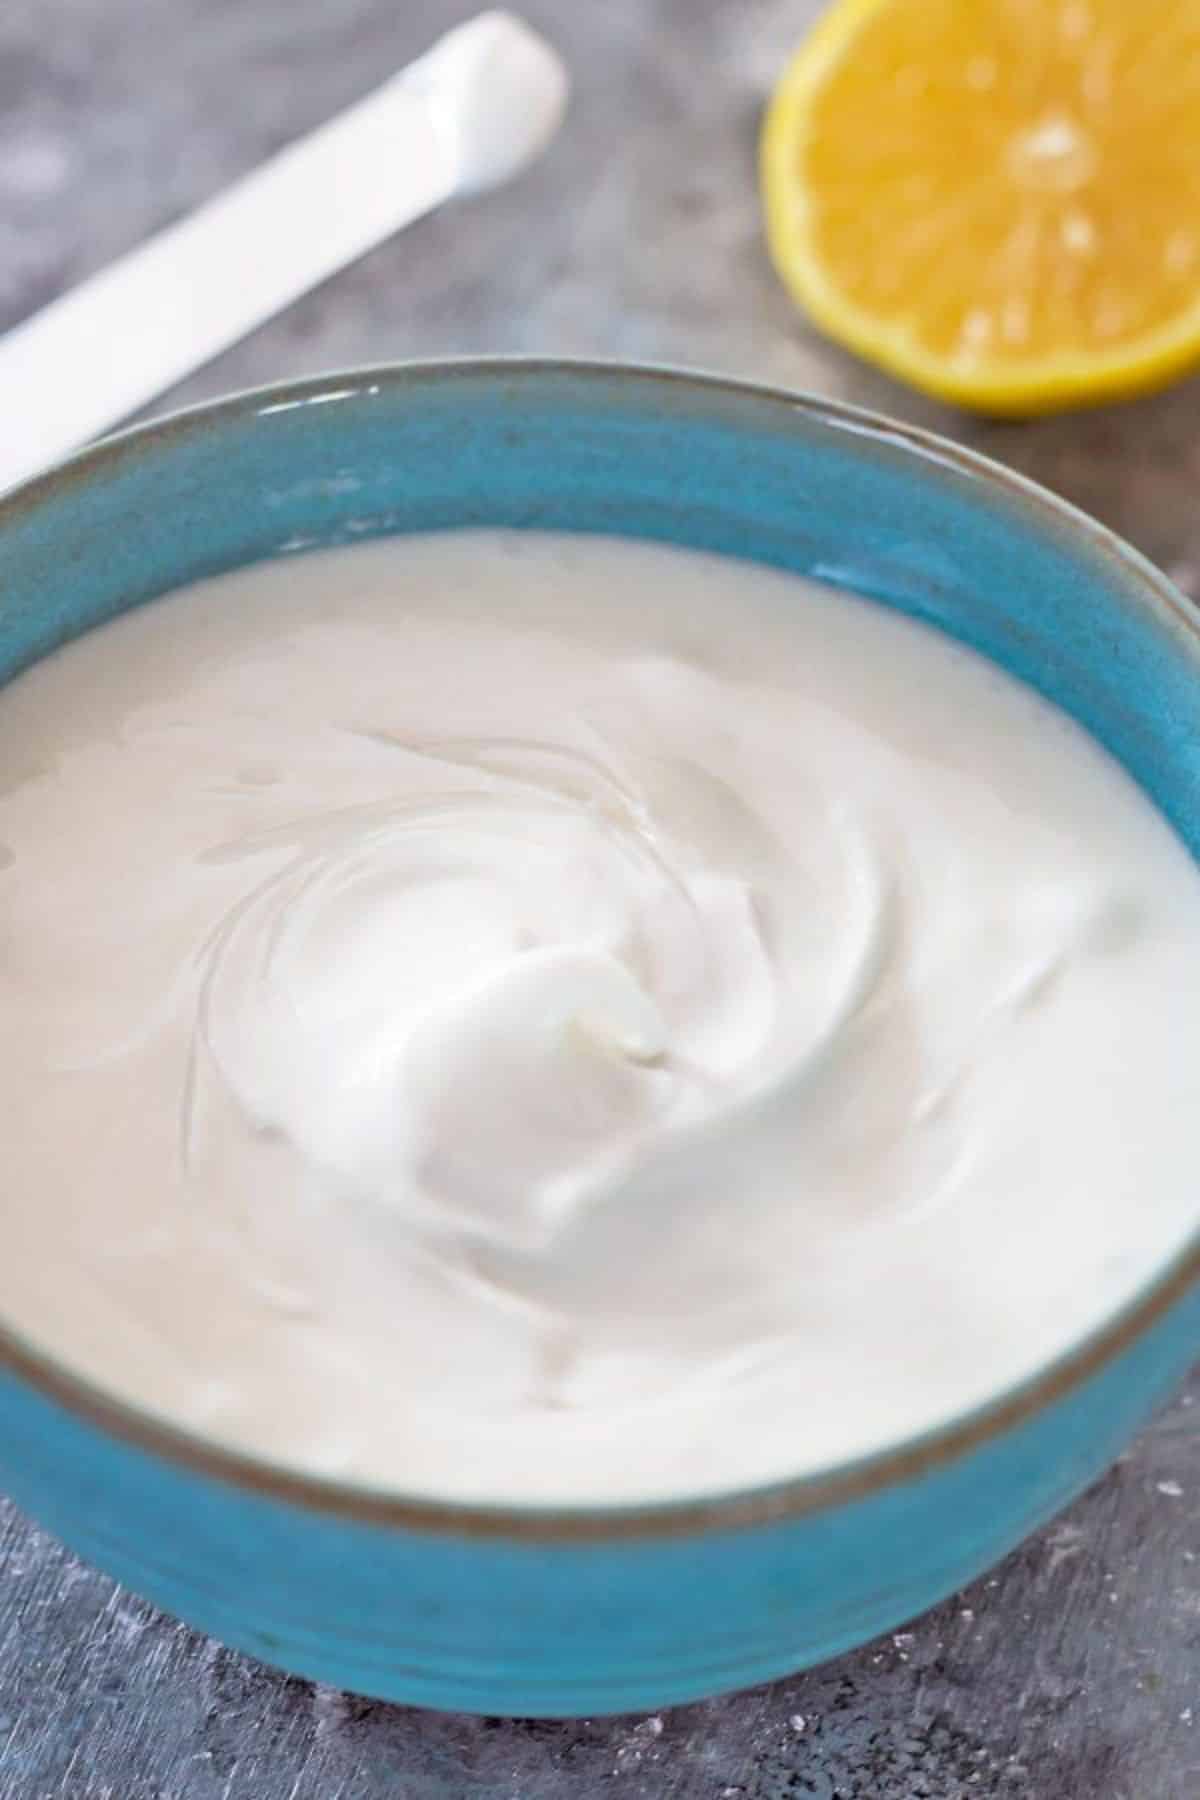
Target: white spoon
column 464, row 117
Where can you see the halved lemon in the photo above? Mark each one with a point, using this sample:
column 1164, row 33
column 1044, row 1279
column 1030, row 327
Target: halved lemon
column 996, row 200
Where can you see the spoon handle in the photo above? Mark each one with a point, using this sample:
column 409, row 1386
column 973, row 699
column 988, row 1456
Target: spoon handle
column 94, row 356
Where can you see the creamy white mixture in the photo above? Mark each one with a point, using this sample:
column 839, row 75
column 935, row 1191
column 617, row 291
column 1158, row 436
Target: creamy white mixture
column 523, row 1017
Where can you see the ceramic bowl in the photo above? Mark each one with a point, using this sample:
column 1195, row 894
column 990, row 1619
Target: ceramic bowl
column 589, row 1610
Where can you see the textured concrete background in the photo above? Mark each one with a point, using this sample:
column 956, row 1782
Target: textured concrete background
column 1072, row 1673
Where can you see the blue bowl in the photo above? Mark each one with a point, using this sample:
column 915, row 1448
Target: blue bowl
column 590, row 1610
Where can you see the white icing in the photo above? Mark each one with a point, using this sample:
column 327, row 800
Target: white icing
column 519, row 1017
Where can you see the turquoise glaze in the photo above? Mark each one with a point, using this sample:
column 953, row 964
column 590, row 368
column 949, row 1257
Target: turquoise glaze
column 591, row 1611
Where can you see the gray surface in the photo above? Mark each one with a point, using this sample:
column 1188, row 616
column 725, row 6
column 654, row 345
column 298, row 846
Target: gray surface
column 1071, row 1673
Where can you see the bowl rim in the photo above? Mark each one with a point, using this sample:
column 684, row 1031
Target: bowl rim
column 857, row 1478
